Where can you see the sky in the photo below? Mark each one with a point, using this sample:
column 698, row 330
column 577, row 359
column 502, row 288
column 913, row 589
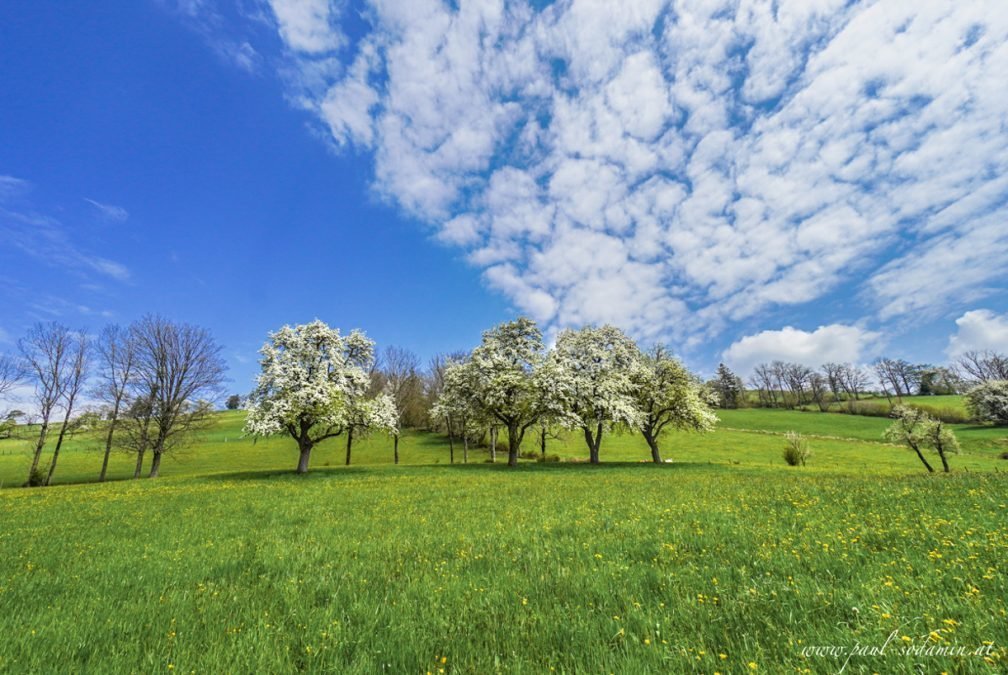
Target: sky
column 805, row 180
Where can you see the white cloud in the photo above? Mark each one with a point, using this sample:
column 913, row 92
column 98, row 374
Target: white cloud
column 110, row 212
column 210, row 22
column 49, row 241
column 11, row 186
column 675, row 166
column 979, row 330
column 308, row 25
column 834, row 343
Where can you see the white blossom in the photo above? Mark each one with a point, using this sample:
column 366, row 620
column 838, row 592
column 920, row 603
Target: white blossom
column 314, row 385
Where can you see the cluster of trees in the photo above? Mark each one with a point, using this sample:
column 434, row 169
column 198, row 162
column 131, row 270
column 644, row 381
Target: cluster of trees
column 154, row 380
column 594, row 379
column 316, row 384
column 782, row 384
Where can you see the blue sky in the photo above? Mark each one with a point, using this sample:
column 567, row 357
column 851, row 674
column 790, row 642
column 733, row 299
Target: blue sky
column 823, row 180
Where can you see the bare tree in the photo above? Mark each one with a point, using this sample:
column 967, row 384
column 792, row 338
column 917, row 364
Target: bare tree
column 76, row 375
column 983, row 366
column 45, row 350
column 400, row 368
column 181, row 366
column 855, row 381
column 892, row 375
column 138, row 434
column 834, row 375
column 764, row 381
column 116, row 352
column 820, row 391
column 12, row 372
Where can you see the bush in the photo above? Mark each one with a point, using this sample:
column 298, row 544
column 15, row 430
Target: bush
column 526, row 454
column 37, row 477
column 946, row 413
column 549, row 458
column 796, row 452
column 988, row 402
column 1004, row 455
column 869, row 408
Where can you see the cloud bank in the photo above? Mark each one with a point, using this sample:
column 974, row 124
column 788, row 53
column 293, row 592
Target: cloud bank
column 673, row 167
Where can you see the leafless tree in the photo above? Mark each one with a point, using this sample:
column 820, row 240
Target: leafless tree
column 400, row 368
column 765, row 381
column 116, row 353
column 856, row 381
column 12, row 372
column 834, row 375
column 181, row 367
column 138, row 429
column 893, row 375
column 820, row 391
column 793, row 379
column 983, row 366
column 45, row 350
column 78, row 360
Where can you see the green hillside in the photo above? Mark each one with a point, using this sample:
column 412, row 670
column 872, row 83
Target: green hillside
column 726, row 560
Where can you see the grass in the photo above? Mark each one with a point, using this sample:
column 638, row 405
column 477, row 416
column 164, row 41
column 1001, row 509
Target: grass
column 727, row 560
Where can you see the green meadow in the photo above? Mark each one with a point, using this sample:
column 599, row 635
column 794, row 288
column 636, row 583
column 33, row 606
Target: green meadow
column 723, row 560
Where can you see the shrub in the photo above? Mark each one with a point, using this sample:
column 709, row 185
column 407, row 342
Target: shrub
column 988, row 402
column 796, row 452
column 1004, row 455
column 869, row 408
column 37, row 477
column 946, row 413
column 526, row 454
column 549, row 458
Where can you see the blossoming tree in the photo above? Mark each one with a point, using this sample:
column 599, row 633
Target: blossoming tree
column 314, row 385
column 458, row 403
column 668, row 396
column 506, row 374
column 594, row 382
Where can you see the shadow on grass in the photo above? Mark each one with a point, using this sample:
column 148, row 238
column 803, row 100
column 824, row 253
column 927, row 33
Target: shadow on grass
column 389, row 470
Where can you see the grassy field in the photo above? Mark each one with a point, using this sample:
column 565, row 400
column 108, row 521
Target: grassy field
column 724, row 561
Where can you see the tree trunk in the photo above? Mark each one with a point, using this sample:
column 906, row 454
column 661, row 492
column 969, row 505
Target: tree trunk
column 451, row 441
column 542, row 443
column 59, row 444
column 108, row 440
column 944, row 459
column 493, row 444
column 653, row 444
column 43, row 432
column 139, row 464
column 349, row 444
column 305, row 455
column 465, row 445
column 921, row 456
column 594, row 443
column 155, row 469
column 395, row 447
column 513, row 444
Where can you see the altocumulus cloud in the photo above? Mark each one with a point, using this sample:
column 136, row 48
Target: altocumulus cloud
column 674, row 167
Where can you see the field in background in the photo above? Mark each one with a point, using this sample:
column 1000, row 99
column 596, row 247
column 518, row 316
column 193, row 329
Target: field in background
column 726, row 560
column 748, row 437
